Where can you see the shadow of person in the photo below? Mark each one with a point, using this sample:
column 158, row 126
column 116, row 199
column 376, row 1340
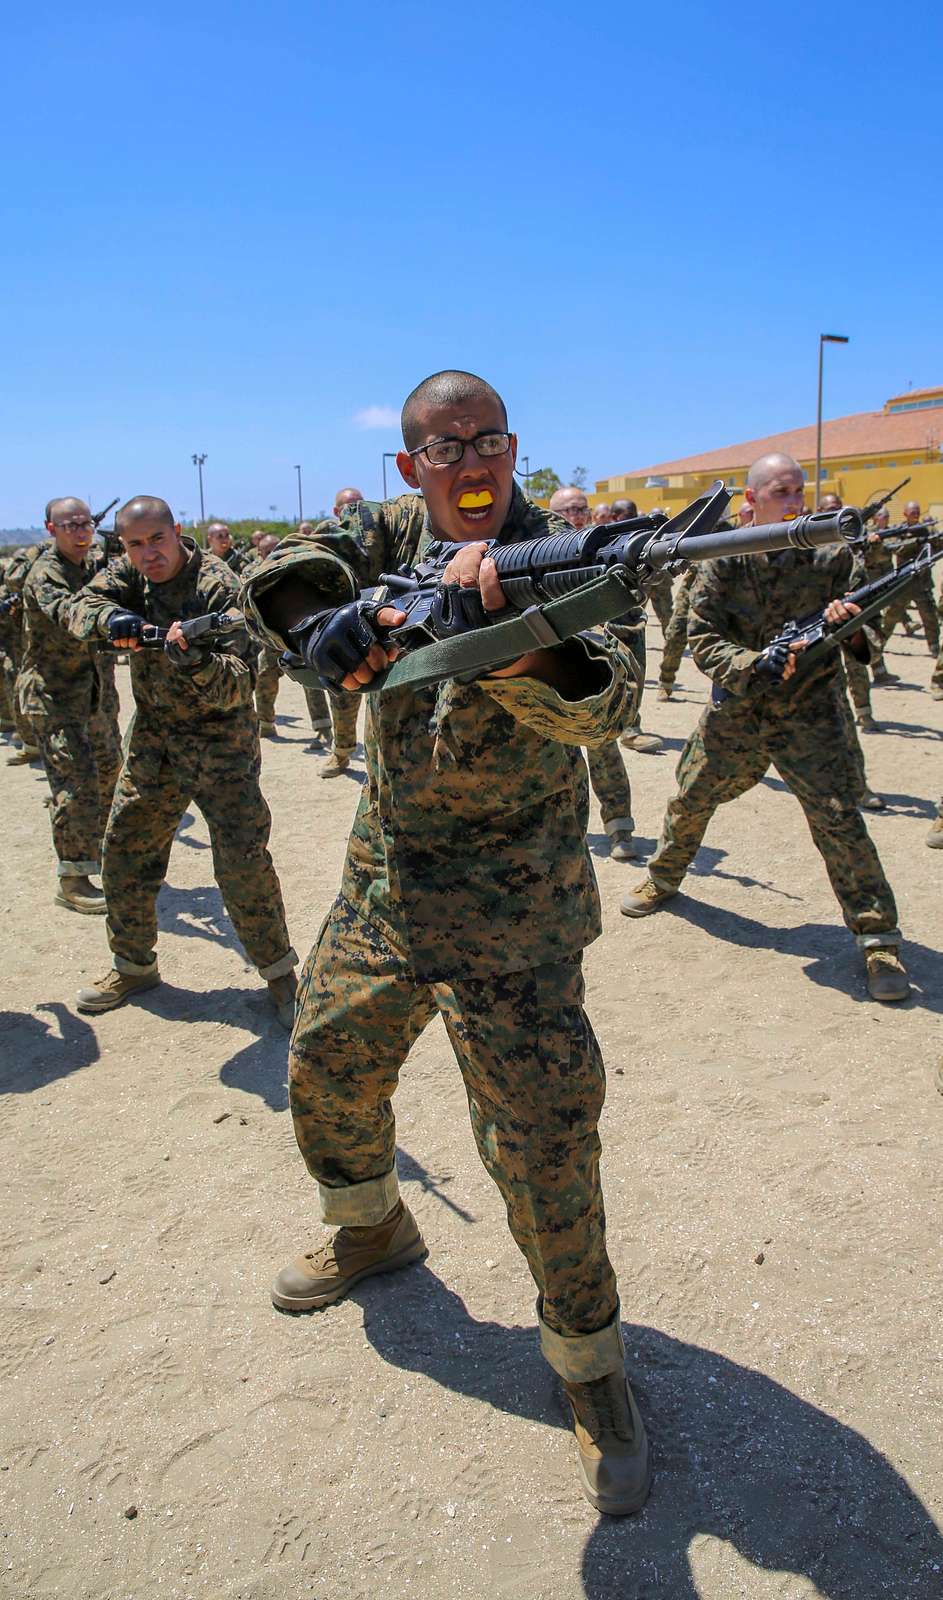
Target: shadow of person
column 826, row 947
column 196, row 913
column 412, row 1171
column 34, row 1053
column 737, row 1457
column 910, row 805
column 909, row 730
column 261, row 1068
column 183, row 833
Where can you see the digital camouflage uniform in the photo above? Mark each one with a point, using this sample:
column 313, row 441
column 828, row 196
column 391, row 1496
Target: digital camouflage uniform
column 872, row 561
column 70, row 699
column 17, row 570
column 738, row 605
column 676, row 636
column 193, row 739
column 468, row 890
column 658, row 590
column 269, row 673
column 9, row 631
column 919, row 594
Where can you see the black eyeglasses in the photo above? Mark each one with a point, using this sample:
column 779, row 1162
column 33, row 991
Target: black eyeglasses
column 74, row 524
column 445, row 452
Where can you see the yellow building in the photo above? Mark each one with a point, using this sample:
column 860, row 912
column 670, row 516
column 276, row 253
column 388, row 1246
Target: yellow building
column 862, row 457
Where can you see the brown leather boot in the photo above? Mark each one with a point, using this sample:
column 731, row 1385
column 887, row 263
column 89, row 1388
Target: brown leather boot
column 115, row 988
column 283, row 992
column 80, row 895
column 324, row 1275
column 614, row 1467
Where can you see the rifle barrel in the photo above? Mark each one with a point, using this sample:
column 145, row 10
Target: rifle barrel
column 807, row 532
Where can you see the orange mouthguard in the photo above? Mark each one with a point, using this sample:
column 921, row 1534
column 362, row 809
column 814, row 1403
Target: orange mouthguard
column 476, row 502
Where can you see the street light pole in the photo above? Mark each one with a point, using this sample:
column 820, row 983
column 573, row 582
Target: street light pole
column 198, row 463
column 388, row 455
column 824, row 339
column 301, row 515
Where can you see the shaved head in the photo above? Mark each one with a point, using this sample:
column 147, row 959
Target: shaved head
column 770, row 467
column 912, row 510
column 67, row 505
column 346, row 497
column 217, row 527
column 444, row 389
column 143, row 508
column 267, row 544
column 621, row 509
column 571, row 502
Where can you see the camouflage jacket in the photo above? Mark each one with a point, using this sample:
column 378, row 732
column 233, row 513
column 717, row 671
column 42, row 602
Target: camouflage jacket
column 169, row 701
column 740, row 603
column 59, row 677
column 468, row 849
column 872, row 560
column 238, row 561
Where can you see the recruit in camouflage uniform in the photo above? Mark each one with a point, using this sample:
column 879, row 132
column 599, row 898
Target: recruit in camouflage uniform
column 919, row 593
column 738, row 605
column 193, row 738
column 72, row 705
column 9, row 627
column 676, row 635
column 15, row 575
column 467, row 890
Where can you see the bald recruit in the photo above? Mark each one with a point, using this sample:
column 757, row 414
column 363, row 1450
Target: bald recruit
column 444, row 390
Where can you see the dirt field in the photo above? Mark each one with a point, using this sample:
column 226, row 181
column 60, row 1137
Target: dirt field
column 773, row 1178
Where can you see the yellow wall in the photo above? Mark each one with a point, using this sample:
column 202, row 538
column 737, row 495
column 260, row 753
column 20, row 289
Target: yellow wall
column 854, row 482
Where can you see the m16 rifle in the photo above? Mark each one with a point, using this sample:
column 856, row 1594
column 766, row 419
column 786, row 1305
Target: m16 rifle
column 870, row 512
column 125, row 625
column 110, row 540
column 554, row 586
column 821, row 636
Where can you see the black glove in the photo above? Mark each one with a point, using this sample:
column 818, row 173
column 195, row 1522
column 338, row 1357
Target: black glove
column 189, row 660
column 125, row 625
column 333, row 643
column 772, row 663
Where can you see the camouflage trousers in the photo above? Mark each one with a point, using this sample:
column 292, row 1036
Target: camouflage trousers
column 936, row 678
column 676, row 636
column 731, row 749
column 344, row 709
column 268, row 676
column 659, row 593
column 159, row 778
column 21, row 722
column 919, row 594
column 611, row 787
column 81, row 761
column 535, row 1083
column 859, row 780
column 859, row 685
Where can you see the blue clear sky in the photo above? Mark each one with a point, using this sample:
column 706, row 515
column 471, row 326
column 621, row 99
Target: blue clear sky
column 233, row 228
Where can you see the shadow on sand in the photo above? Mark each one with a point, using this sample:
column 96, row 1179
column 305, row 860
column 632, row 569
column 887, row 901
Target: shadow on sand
column 737, row 1457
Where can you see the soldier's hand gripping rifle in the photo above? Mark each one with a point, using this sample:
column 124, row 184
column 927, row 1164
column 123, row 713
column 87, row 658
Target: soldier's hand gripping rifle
column 555, row 587
column 123, row 625
column 820, row 636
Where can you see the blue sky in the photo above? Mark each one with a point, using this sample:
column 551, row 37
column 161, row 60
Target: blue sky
column 237, row 228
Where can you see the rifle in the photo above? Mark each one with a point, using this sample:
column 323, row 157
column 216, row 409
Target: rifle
column 561, row 584
column 878, row 505
column 152, row 637
column 821, row 636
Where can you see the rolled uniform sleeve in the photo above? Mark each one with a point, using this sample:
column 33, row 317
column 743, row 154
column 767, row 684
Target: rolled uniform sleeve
column 595, row 720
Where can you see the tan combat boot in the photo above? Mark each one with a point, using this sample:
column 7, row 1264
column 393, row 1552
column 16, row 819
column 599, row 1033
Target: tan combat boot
column 614, row 1467
column 866, row 722
column 115, row 988
column 887, row 976
column 664, row 691
column 80, row 895
column 936, row 691
column 268, row 730
column 336, row 763
column 643, row 743
column 934, row 839
column 325, row 1275
column 283, row 992
column 645, row 898
column 871, row 802
column 23, row 756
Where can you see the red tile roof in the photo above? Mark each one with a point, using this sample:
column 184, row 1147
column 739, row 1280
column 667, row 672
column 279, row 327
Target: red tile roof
column 866, row 433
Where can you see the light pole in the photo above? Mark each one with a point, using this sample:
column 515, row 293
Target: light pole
column 198, row 463
column 301, row 515
column 388, row 455
column 824, row 339
column 525, row 474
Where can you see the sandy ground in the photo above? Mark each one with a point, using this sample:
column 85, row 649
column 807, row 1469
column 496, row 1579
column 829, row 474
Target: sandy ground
column 773, row 1177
